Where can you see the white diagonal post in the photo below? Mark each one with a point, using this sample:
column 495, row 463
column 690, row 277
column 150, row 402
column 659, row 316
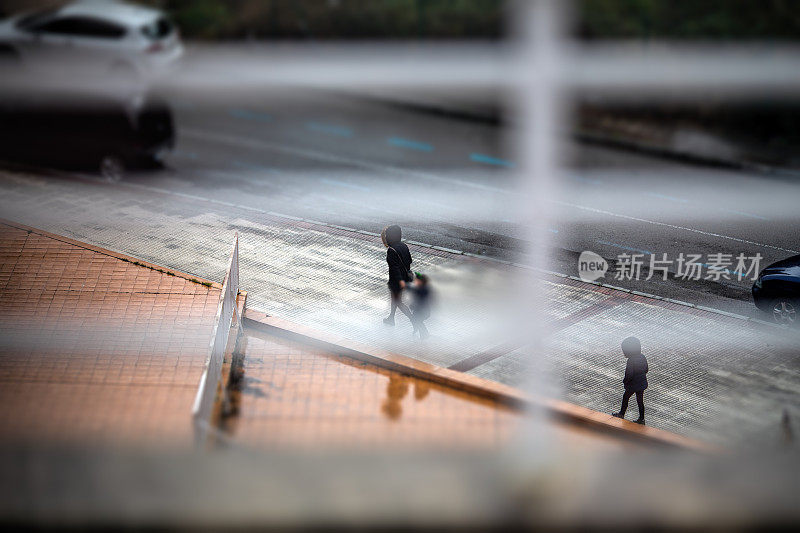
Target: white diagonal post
column 209, row 381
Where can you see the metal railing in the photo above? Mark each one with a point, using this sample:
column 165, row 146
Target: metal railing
column 209, row 382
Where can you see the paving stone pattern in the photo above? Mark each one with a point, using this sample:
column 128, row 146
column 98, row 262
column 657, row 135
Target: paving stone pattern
column 290, row 396
column 712, row 377
column 94, row 349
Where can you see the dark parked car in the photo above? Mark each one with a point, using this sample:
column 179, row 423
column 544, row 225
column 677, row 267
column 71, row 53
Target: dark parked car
column 777, row 291
column 105, row 134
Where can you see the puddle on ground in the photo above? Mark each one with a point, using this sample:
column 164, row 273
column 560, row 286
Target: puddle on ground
column 283, row 393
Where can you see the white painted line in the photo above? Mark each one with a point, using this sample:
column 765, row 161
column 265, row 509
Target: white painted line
column 325, row 156
column 672, row 226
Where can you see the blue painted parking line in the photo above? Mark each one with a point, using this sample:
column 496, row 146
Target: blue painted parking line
column 623, row 247
column 408, row 143
column 338, row 183
column 667, row 197
column 552, row 230
column 248, row 114
column 330, row 129
column 481, row 158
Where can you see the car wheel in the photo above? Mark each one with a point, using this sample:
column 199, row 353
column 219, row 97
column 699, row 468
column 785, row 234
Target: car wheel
column 784, row 311
column 112, row 168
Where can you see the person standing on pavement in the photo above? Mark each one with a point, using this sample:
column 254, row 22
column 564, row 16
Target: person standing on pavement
column 398, row 257
column 635, row 380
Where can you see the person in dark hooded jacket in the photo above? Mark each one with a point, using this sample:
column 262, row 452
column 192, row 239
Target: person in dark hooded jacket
column 398, row 257
column 635, row 380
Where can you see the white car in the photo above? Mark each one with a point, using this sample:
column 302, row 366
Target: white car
column 104, row 37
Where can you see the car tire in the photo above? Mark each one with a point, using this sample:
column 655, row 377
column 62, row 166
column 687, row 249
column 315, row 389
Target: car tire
column 112, row 168
column 785, row 311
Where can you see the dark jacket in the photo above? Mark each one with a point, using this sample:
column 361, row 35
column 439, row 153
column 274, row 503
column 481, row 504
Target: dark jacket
column 399, row 260
column 635, row 373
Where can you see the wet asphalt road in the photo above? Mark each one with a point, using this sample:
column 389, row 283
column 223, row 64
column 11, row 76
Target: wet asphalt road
column 450, row 182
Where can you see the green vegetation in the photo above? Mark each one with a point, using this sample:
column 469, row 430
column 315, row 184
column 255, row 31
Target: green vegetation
column 466, row 19
column 478, row 19
column 689, row 19
column 202, row 18
column 325, row 19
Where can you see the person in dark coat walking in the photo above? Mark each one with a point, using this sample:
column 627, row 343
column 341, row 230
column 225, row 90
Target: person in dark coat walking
column 635, row 380
column 398, row 257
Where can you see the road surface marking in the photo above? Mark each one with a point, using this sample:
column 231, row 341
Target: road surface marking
column 672, row 226
column 329, row 129
column 324, row 156
column 489, row 160
column 334, row 158
column 98, row 181
column 723, row 209
column 250, row 115
column 408, row 143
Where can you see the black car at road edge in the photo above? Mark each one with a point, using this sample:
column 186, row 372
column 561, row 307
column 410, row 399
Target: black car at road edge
column 777, row 291
column 102, row 133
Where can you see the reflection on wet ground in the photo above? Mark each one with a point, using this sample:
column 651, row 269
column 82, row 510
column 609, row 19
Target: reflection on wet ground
column 282, row 393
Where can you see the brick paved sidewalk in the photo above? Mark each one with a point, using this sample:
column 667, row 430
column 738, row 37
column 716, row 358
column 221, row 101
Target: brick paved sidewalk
column 98, row 348
column 95, row 349
column 289, row 393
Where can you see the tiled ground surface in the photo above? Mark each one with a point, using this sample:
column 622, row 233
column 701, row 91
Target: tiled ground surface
column 712, row 378
column 289, row 396
column 99, row 350
column 96, row 349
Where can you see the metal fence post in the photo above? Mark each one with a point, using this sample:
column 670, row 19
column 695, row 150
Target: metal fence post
column 209, row 381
